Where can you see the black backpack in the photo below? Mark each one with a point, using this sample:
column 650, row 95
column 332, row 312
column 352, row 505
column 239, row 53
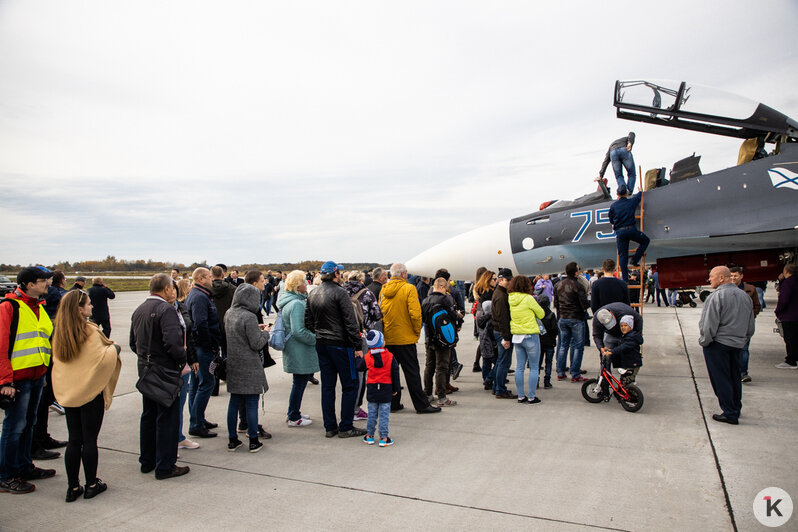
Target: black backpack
column 444, row 331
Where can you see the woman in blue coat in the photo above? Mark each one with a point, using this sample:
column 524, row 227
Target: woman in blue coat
column 299, row 355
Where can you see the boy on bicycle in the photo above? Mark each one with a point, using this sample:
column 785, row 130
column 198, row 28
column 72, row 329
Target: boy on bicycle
column 626, row 354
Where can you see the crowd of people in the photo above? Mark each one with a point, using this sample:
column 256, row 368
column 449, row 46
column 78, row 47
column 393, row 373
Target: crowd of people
column 357, row 329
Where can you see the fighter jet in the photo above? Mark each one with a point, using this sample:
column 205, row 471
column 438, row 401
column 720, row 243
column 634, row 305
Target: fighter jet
column 694, row 220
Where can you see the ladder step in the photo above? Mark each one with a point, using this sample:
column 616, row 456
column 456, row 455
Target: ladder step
column 634, row 286
column 636, row 305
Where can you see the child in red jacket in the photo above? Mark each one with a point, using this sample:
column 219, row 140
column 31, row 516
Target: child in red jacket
column 382, row 383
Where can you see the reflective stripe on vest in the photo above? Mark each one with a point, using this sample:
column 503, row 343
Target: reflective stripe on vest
column 32, row 341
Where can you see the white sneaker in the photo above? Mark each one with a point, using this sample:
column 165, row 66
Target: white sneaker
column 303, row 416
column 784, row 365
column 301, row 422
column 187, row 444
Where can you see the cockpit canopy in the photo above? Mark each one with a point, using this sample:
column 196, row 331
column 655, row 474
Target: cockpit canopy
column 699, row 108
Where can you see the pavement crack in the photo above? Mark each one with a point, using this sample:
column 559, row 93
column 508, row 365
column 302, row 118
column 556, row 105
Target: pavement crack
column 706, row 427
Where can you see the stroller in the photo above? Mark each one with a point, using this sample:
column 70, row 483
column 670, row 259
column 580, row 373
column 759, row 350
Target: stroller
column 685, row 296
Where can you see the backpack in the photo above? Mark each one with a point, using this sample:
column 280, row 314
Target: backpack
column 444, row 332
column 361, row 319
column 278, row 336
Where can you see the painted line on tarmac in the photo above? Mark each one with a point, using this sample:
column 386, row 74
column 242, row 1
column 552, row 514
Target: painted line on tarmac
column 706, row 427
column 385, row 494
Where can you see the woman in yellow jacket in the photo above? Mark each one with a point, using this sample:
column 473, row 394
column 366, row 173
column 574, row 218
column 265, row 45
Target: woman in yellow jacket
column 84, row 378
column 524, row 315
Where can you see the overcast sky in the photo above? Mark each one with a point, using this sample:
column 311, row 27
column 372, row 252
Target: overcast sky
column 356, row 131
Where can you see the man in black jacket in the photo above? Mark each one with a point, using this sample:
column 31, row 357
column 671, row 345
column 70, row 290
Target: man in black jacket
column 207, row 340
column 99, row 294
column 438, row 356
column 331, row 317
column 570, row 302
column 608, row 289
column 500, row 306
column 379, row 278
column 157, row 337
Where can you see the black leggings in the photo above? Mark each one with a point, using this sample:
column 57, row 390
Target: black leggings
column 83, row 424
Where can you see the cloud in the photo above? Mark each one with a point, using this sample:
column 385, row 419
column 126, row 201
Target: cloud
column 179, row 130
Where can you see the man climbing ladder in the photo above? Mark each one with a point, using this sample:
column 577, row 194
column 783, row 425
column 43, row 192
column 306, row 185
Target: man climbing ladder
column 622, row 216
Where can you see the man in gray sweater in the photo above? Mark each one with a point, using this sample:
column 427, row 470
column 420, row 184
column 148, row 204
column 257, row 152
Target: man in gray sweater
column 726, row 326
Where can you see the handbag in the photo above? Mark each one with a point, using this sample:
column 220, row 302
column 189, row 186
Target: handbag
column 158, row 383
column 218, row 367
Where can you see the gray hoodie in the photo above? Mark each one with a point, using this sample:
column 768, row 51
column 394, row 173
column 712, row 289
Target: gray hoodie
column 245, row 373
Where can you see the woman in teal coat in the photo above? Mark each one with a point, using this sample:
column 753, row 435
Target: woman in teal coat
column 299, row 355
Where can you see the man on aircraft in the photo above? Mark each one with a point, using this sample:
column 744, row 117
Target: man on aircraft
column 622, row 218
column 620, row 154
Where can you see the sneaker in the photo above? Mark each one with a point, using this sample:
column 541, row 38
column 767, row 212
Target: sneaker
column 746, row 378
column 203, row 433
column 263, row 434
column 17, row 486
column 385, row 442
column 578, row 378
column 242, row 428
column 456, row 371
column 368, row 439
column 446, row 402
column 209, row 425
column 488, row 385
column 534, row 401
column 303, row 416
column 451, row 389
column 360, row 415
column 477, row 368
column 784, row 365
column 38, row 473
column 55, row 407
column 522, row 400
column 52, row 443
column 44, row 454
column 234, row 444
column 255, row 445
column 94, row 490
column 351, row 433
column 562, row 377
column 187, row 444
column 301, row 422
column 547, row 384
column 505, row 395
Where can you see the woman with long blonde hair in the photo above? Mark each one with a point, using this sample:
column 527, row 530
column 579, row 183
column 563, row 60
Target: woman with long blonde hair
column 84, row 379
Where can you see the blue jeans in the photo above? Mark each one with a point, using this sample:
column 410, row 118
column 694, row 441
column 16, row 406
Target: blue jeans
column 337, row 363
column 622, row 158
column 527, row 350
column 295, row 398
column 183, row 397
column 17, row 435
column 572, row 336
column 761, row 293
column 199, row 390
column 488, row 370
column 502, row 364
column 622, row 239
column 744, row 356
column 384, row 412
column 251, row 405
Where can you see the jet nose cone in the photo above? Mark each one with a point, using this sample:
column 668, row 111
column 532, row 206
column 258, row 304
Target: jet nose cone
column 487, row 246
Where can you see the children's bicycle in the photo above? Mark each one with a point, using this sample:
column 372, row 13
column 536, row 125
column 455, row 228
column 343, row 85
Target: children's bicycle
column 597, row 390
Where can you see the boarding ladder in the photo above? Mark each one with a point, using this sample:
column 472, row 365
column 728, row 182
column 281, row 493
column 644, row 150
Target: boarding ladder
column 638, row 305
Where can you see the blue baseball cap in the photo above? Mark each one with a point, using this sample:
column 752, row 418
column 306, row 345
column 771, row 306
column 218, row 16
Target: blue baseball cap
column 331, row 267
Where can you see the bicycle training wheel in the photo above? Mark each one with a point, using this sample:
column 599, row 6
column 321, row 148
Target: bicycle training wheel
column 635, row 401
column 591, row 391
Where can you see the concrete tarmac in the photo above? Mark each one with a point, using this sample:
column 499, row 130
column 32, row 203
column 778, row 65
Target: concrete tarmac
column 484, row 464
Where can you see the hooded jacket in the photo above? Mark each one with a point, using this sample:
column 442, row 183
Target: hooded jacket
column 627, row 353
column 222, row 297
column 331, row 318
column 299, row 354
column 401, row 312
column 368, row 303
column 245, row 373
column 524, row 313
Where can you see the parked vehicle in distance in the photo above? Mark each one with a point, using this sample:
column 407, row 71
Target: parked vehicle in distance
column 6, row 285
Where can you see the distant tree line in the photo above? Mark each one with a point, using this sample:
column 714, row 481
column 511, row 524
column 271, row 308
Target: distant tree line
column 112, row 264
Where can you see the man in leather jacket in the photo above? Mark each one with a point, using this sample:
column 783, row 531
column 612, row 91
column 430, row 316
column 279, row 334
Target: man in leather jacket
column 331, row 317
